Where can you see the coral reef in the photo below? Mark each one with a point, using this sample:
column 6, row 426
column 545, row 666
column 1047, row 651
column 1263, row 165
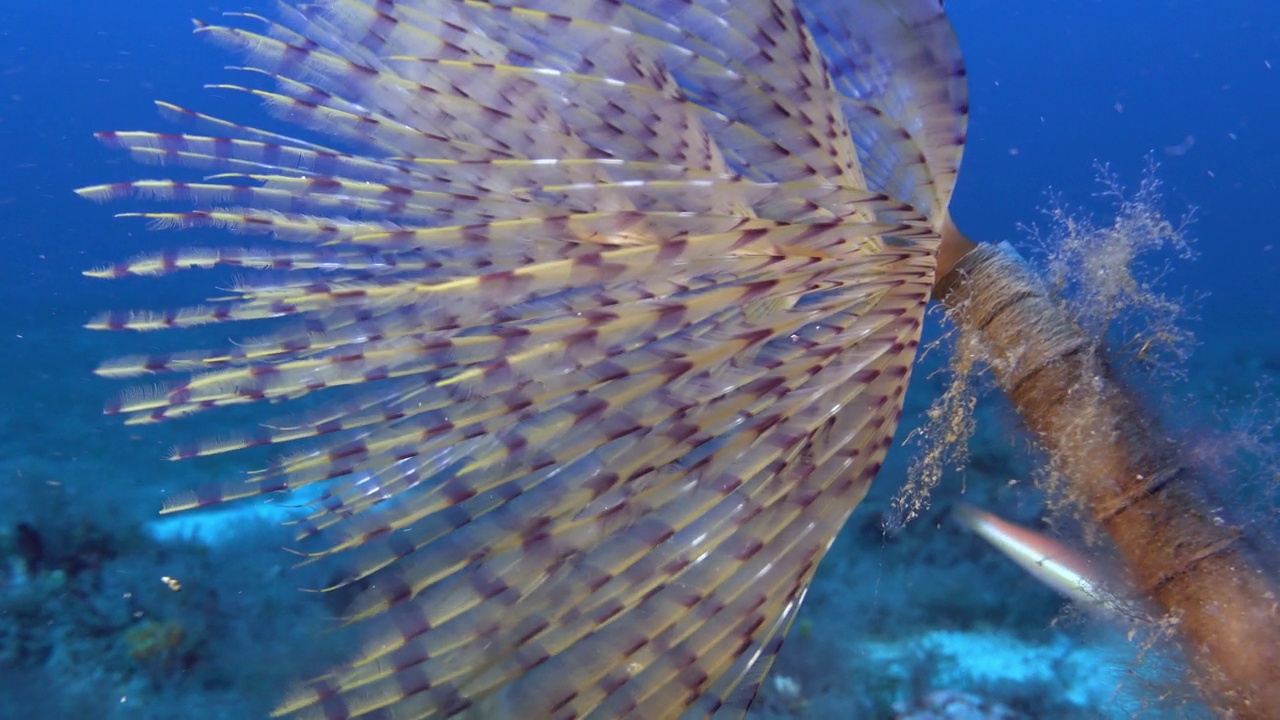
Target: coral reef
column 125, row 625
column 952, row 705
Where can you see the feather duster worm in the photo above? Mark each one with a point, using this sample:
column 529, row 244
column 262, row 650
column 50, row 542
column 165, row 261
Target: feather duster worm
column 626, row 295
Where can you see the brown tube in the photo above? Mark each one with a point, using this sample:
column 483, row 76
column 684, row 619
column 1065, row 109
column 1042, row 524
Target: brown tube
column 1126, row 473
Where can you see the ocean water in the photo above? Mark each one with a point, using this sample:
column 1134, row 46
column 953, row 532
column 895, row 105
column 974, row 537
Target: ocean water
column 94, row 628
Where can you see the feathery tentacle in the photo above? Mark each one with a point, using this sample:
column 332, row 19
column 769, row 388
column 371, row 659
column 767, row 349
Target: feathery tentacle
column 624, row 296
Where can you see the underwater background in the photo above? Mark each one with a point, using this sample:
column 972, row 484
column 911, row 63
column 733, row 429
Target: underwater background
column 91, row 625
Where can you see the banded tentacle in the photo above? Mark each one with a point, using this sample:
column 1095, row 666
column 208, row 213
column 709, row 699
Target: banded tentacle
column 617, row 300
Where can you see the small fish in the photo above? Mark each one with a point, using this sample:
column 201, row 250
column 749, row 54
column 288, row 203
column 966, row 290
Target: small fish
column 1055, row 564
column 616, row 303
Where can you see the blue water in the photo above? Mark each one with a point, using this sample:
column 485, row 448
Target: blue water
column 1055, row 88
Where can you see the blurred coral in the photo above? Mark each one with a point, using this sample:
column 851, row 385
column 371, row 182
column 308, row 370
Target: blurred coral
column 952, row 705
column 157, row 644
